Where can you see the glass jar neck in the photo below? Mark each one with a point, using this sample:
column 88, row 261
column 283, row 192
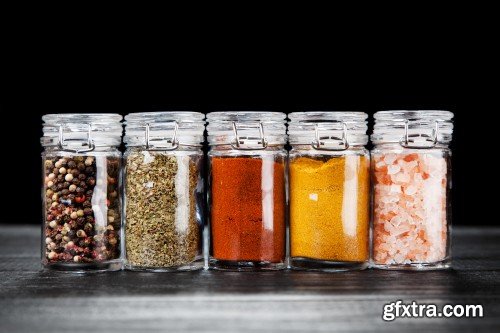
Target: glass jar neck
column 176, row 149
column 164, row 130
column 230, row 148
column 419, row 129
column 97, row 149
column 249, row 130
column 398, row 146
column 309, row 150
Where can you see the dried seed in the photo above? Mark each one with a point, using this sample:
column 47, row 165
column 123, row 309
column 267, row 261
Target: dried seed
column 161, row 227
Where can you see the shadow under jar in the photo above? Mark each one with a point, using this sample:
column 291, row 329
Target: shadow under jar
column 164, row 191
column 411, row 183
column 247, row 190
column 329, row 191
column 81, row 192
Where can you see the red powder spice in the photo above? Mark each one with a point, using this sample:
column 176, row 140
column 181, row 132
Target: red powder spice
column 248, row 209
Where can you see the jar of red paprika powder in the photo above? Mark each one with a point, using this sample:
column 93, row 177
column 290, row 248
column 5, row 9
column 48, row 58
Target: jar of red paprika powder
column 247, row 195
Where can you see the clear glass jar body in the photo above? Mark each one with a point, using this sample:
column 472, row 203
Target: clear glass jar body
column 247, row 201
column 164, row 209
column 329, row 208
column 81, row 210
column 411, row 207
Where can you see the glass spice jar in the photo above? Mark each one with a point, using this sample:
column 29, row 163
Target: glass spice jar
column 247, row 190
column 81, row 192
column 329, row 191
column 411, row 183
column 164, row 191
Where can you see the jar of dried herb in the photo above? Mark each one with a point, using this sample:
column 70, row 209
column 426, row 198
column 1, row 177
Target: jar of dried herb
column 247, row 190
column 411, row 183
column 329, row 191
column 164, row 191
column 81, row 192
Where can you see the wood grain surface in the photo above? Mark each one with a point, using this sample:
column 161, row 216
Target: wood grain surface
column 32, row 300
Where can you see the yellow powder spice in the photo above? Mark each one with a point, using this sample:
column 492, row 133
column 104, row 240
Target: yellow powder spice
column 329, row 208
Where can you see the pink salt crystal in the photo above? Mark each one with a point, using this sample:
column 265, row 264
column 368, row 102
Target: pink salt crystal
column 410, row 190
column 399, row 258
column 410, row 227
column 389, row 158
column 401, row 178
column 395, row 189
column 411, row 165
column 393, row 169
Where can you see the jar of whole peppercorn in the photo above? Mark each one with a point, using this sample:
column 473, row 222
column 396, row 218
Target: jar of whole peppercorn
column 164, row 191
column 329, row 170
column 81, row 192
column 247, row 197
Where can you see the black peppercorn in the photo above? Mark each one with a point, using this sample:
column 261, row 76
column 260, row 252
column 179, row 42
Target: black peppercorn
column 75, row 181
column 65, row 192
column 71, row 164
column 87, row 211
column 89, row 193
column 87, row 204
column 75, row 172
column 80, row 221
column 89, row 219
column 59, row 186
column 55, row 171
column 91, row 181
column 89, row 170
column 60, row 178
column 66, row 184
column 80, row 190
column 82, row 176
column 81, row 166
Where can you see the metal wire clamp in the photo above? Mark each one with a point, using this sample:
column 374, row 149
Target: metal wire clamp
column 318, row 144
column 173, row 140
column 261, row 142
column 406, row 140
column 88, row 142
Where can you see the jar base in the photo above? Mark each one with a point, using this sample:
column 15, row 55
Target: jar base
column 84, row 268
column 192, row 266
column 420, row 266
column 308, row 264
column 242, row 266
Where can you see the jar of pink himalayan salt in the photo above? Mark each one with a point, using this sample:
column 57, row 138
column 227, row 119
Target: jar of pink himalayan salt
column 411, row 189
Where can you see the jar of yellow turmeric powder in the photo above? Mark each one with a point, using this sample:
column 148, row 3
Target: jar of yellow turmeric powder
column 329, row 191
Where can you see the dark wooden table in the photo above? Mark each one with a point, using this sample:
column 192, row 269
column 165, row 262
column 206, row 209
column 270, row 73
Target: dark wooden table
column 32, row 300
